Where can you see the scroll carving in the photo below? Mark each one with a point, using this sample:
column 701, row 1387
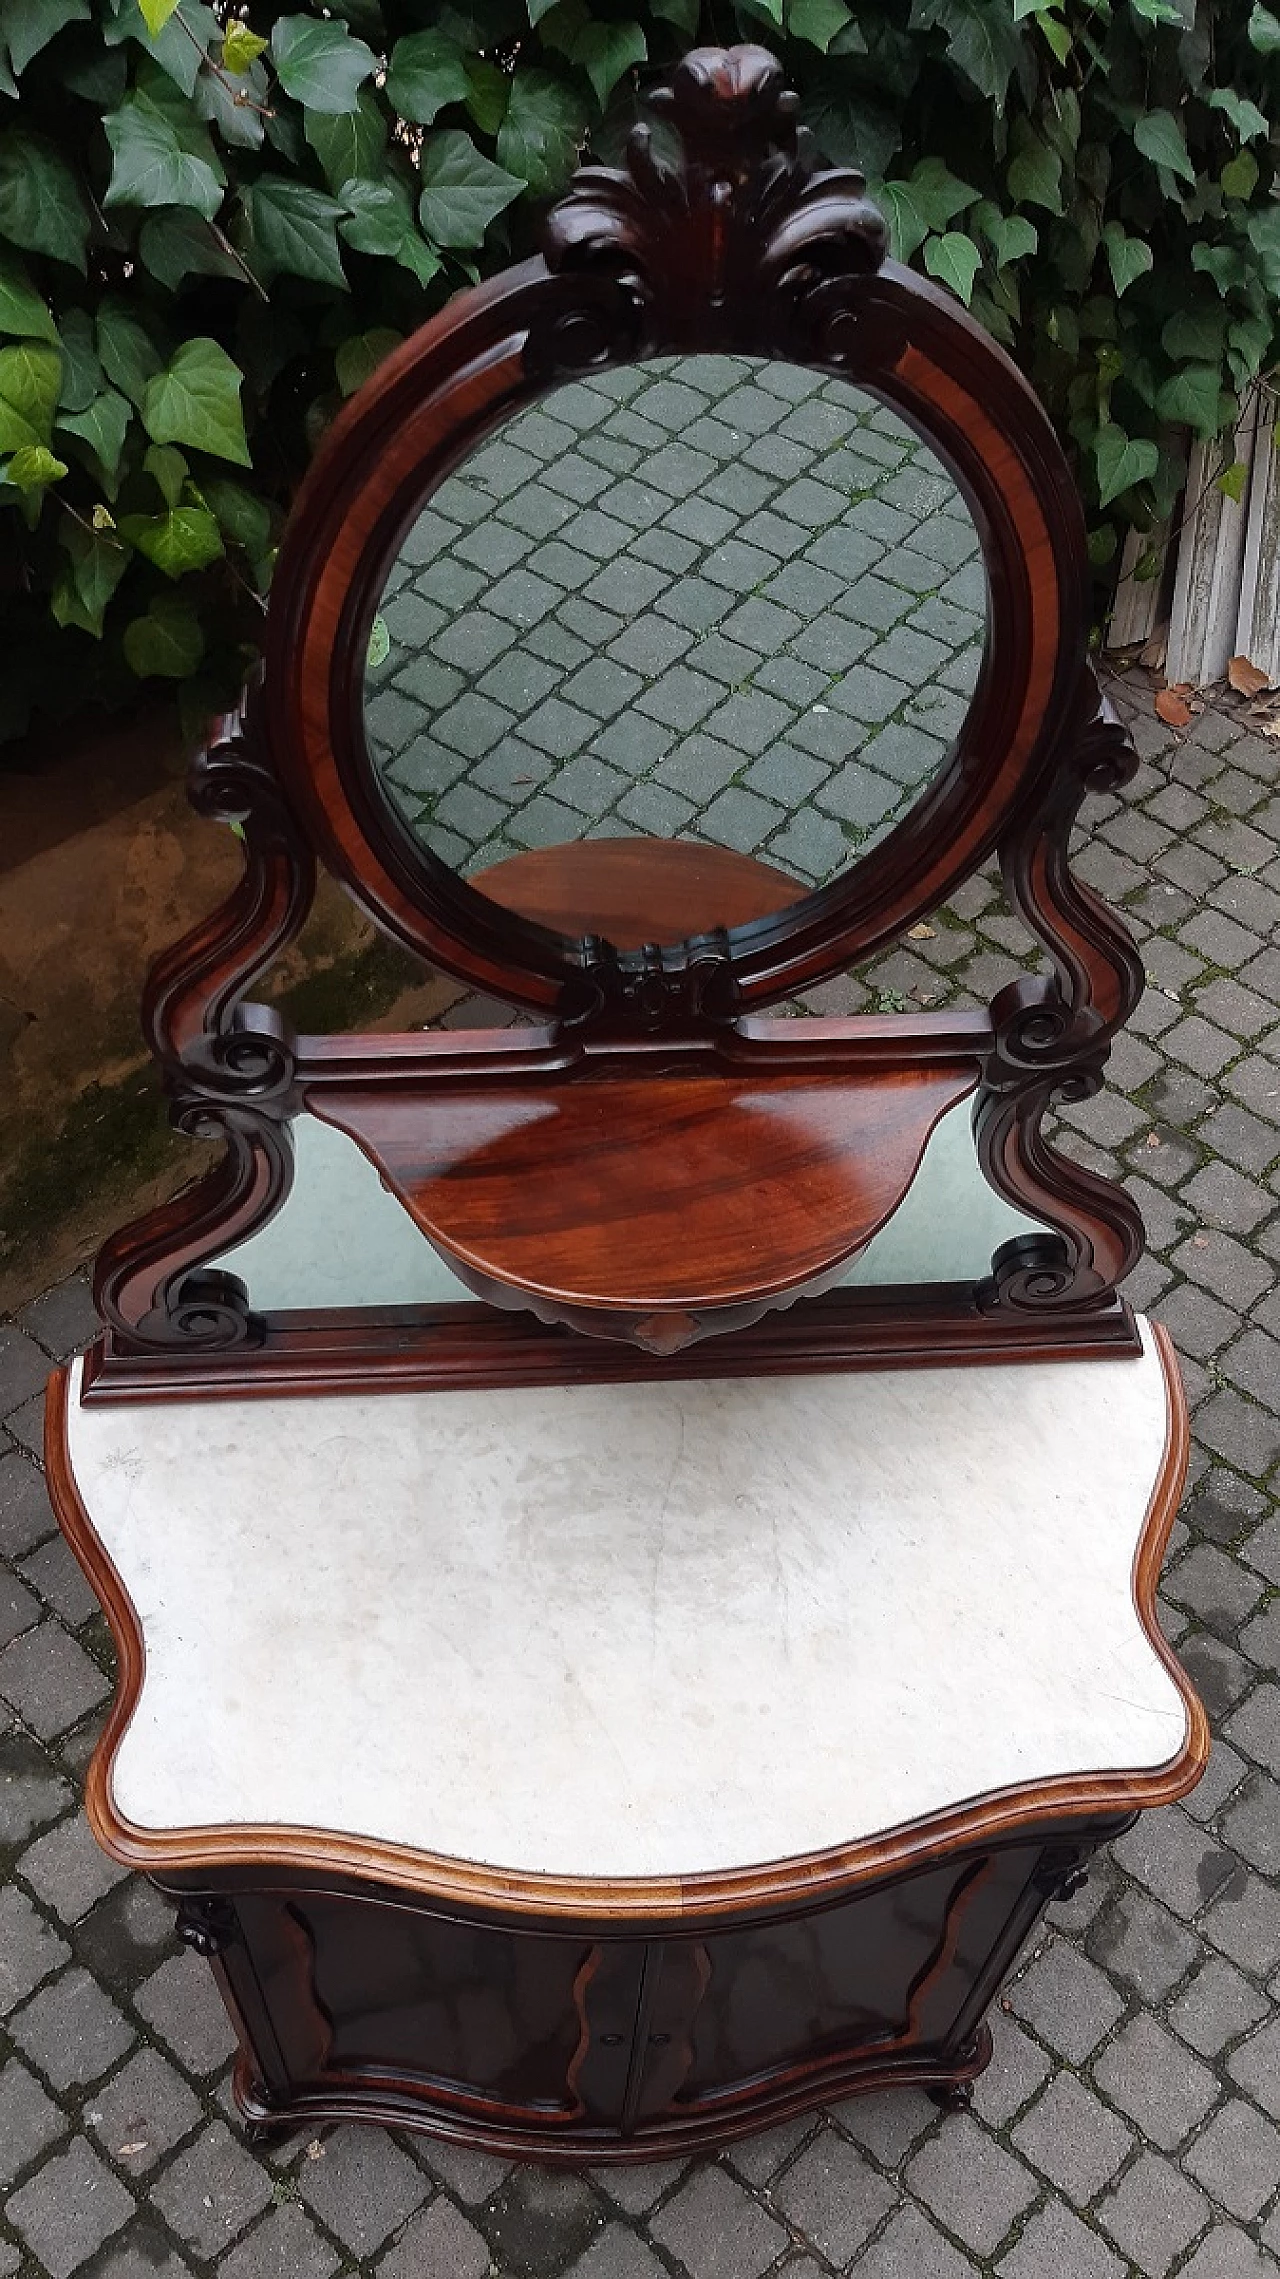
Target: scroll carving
column 676, row 991
column 1052, row 1040
column 228, row 1068
column 741, row 240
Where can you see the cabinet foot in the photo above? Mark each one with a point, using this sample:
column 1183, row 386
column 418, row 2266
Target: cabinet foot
column 952, row 2096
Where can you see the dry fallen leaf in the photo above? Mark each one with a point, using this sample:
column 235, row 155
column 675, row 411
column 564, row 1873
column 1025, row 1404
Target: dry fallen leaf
column 1152, row 1139
column 315, row 2150
column 921, row 933
column 1173, row 708
column 128, row 2150
column 1246, row 679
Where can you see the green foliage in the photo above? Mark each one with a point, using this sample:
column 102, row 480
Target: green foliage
column 215, row 220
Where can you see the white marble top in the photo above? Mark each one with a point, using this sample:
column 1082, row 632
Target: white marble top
column 634, row 1631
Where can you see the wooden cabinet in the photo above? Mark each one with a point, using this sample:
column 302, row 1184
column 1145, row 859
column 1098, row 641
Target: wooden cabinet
column 574, row 2045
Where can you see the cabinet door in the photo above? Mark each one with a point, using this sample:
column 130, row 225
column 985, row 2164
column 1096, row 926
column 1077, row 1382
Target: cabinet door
column 892, row 1971
column 357, row 1990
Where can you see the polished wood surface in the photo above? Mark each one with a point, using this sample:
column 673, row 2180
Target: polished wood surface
column 638, row 890
column 655, row 1205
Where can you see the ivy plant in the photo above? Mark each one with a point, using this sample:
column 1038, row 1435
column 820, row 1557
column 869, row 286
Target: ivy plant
column 216, row 219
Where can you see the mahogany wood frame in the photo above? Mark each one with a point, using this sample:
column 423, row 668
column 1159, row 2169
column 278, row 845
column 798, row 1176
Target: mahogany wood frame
column 744, row 244
column 210, row 1869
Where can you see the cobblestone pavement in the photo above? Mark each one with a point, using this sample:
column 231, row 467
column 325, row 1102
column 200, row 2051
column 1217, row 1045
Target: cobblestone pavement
column 1130, row 2123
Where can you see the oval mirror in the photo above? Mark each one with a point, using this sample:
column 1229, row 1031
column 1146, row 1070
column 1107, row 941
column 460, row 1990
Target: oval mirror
column 732, row 604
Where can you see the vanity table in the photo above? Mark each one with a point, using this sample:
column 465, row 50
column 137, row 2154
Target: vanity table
column 632, row 1536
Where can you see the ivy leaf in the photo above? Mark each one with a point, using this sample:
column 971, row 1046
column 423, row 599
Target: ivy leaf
column 357, row 359
column 1248, row 348
column 97, row 564
column 928, row 201
column 28, row 26
column 167, row 643
column 81, row 372
column 1232, row 480
column 541, row 135
column 817, row 21
column 196, row 400
column 318, row 62
column 426, row 71
column 1194, row 336
column 606, row 52
column 1156, row 11
column 1160, row 138
column 103, row 427
column 155, row 14
column 232, row 109
column 683, row 14
column 243, row 518
column 296, row 228
column 487, row 91
column 1012, row 237
column 1192, row 398
column 1122, row 461
column 462, row 191
column 240, row 47
column 176, row 243
column 380, row 221
column 1128, row 258
column 151, row 166
column 33, row 467
column 1264, row 236
column 1245, row 116
column 1239, row 177
column 353, row 143
column 538, row 9
column 186, row 538
column 30, row 377
column 129, row 353
column 180, row 47
column 1035, row 171
column 168, row 469
column 21, row 309
column 955, row 260
column 1221, row 262
column 1264, row 30
column 41, row 208
column 983, row 42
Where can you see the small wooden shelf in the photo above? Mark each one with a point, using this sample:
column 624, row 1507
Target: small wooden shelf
column 659, row 1209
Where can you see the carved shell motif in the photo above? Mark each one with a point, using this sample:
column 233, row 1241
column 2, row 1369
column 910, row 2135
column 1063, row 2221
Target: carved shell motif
column 739, row 240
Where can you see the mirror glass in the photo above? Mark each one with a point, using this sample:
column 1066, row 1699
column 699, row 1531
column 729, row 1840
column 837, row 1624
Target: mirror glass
column 733, row 603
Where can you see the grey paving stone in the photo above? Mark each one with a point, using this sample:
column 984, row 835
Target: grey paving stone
column 286, row 2245
column 1227, row 2253
column 72, row 2030
column 680, row 697
column 68, row 2208
column 50, row 1680
column 25, row 1516
column 180, row 2001
column 1073, row 2138
column 52, row 1570
column 1154, row 2213
column 438, row 2244
column 19, row 1608
column 1018, row 2068
column 1237, row 2159
column 471, row 2176
column 363, row 2187
column 29, row 1949
column 717, row 2230
column 23, row 1368
column 63, row 1319
column 1155, row 2081
column 209, row 2192
column 888, row 2125
column 911, row 2248
column 833, row 2196
column 1216, row 2007
column 617, row 2254
column 540, row 2220
column 121, row 1938
column 142, row 2111
column 971, row 2184
column 29, row 2121
column 1067, row 2001
column 1055, row 2242
column 1252, row 1823
column 1255, row 2066
column 759, row 2157
column 68, row 1871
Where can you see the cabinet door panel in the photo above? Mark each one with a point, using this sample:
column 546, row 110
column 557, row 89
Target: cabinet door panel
column 357, row 1988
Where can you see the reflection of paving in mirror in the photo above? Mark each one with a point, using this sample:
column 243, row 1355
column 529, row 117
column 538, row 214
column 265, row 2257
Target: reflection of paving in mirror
column 678, row 599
